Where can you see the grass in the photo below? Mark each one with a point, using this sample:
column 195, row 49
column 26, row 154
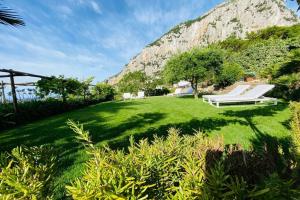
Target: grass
column 113, row 122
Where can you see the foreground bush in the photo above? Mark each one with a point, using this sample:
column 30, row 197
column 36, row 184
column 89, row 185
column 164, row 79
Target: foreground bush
column 27, row 173
column 295, row 124
column 156, row 171
column 187, row 167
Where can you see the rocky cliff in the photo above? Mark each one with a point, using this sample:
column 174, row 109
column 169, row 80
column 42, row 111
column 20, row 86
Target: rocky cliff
column 234, row 17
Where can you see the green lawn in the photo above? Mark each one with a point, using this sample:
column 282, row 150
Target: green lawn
column 113, row 122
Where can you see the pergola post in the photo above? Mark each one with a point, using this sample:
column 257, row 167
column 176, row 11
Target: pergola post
column 13, row 92
column 3, row 92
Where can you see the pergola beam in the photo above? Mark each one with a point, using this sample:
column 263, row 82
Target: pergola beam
column 11, row 74
column 18, row 73
column 22, row 84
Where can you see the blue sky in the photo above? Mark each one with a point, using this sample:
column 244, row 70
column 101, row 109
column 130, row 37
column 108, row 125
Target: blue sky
column 82, row 38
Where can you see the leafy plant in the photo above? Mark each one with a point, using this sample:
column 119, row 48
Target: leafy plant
column 58, row 86
column 287, row 77
column 84, row 87
column 230, row 73
column 179, row 167
column 103, row 91
column 295, row 124
column 9, row 17
column 163, row 169
column 35, row 110
column 27, row 173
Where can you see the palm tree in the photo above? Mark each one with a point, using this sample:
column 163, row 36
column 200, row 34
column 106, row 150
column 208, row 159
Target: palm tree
column 9, row 17
column 298, row 2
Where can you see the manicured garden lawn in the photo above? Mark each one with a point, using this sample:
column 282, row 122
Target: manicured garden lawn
column 113, row 122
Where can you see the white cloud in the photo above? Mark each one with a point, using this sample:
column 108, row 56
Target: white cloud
column 43, row 57
column 96, row 7
column 65, row 10
column 93, row 45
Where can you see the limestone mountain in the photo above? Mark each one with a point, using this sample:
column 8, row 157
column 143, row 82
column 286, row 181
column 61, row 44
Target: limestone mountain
column 234, row 17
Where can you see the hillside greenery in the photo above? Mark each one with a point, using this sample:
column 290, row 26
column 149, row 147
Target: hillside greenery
column 261, row 52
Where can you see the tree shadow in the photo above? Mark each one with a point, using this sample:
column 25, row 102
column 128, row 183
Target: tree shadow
column 108, row 133
column 206, row 126
column 267, row 154
column 54, row 131
column 257, row 111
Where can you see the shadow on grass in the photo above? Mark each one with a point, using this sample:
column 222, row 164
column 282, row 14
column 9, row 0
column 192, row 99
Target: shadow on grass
column 206, row 126
column 267, row 154
column 54, row 131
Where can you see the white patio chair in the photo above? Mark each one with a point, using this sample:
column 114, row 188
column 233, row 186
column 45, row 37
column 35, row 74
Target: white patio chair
column 236, row 91
column 141, row 95
column 254, row 95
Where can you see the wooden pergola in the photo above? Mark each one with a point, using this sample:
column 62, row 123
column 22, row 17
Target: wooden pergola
column 11, row 74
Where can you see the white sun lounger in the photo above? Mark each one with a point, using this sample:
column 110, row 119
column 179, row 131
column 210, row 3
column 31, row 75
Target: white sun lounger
column 254, row 95
column 235, row 92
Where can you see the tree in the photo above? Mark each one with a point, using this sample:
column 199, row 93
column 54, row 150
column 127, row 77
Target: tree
column 287, row 77
column 298, row 2
column 9, row 17
column 58, row 85
column 195, row 66
column 85, row 84
column 132, row 82
column 230, row 73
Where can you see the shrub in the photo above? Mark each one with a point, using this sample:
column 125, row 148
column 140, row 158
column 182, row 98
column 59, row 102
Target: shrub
column 183, row 167
column 156, row 92
column 103, row 91
column 260, row 57
column 27, row 173
column 295, row 124
column 287, row 86
column 159, row 170
column 230, row 73
column 287, row 77
column 276, row 32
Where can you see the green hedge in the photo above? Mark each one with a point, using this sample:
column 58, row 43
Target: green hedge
column 35, row 110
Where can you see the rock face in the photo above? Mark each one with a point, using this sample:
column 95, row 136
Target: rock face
column 234, row 17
